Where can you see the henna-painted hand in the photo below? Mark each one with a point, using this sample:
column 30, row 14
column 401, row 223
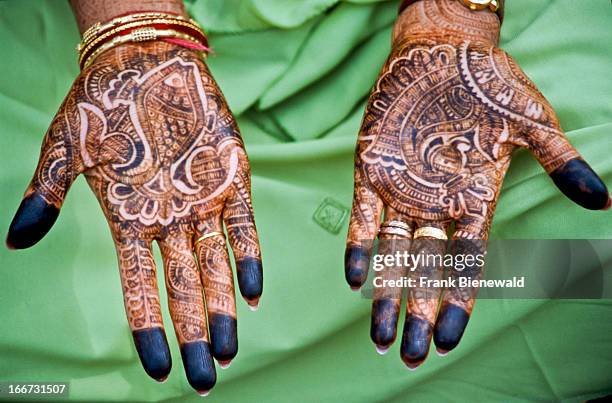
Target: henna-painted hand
column 442, row 121
column 152, row 133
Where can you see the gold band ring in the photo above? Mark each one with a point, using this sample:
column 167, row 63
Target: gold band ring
column 430, row 232
column 209, row 235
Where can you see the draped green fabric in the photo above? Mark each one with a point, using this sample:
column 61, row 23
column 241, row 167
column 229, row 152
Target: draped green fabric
column 296, row 74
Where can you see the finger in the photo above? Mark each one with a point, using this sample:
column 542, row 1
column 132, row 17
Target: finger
column 572, row 174
column 187, row 311
column 387, row 294
column 141, row 300
column 218, row 284
column 423, row 296
column 243, row 239
column 363, row 228
column 57, row 168
column 468, row 249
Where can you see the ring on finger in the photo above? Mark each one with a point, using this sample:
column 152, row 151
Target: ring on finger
column 395, row 227
column 430, row 232
column 209, row 235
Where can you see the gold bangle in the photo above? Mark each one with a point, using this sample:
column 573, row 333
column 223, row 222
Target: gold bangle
column 85, row 47
column 139, row 35
column 87, row 43
column 209, row 235
column 99, row 26
column 430, row 232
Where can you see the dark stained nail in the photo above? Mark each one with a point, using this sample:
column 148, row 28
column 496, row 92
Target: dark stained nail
column 356, row 264
column 33, row 220
column 415, row 341
column 223, row 336
column 152, row 348
column 581, row 184
column 199, row 366
column 383, row 325
column 449, row 327
column 250, row 279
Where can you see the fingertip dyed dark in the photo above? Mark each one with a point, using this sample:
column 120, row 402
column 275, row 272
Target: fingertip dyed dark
column 450, row 326
column 152, row 348
column 415, row 341
column 383, row 327
column 224, row 337
column 34, row 218
column 199, row 366
column 581, row 184
column 250, row 278
column 356, row 263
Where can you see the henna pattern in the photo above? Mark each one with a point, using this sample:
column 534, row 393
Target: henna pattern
column 436, row 140
column 150, row 130
column 140, row 293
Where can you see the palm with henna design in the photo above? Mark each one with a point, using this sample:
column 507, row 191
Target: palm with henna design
column 150, row 130
column 436, row 141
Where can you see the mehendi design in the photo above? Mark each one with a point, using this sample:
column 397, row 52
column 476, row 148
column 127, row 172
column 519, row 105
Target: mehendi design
column 436, row 140
column 150, row 130
column 138, row 276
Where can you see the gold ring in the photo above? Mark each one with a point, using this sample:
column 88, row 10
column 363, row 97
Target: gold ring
column 209, row 235
column 431, row 232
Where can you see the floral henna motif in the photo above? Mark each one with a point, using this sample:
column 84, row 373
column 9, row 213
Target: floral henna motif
column 150, row 130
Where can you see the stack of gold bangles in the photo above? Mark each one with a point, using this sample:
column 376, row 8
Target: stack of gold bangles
column 140, row 27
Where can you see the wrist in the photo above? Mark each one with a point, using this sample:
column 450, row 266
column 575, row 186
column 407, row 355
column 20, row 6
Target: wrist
column 450, row 19
column 90, row 12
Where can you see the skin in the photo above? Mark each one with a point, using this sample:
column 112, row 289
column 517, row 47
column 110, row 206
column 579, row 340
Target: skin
column 436, row 141
column 150, row 130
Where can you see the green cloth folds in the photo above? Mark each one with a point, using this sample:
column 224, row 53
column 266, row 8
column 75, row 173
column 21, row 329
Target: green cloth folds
column 296, row 74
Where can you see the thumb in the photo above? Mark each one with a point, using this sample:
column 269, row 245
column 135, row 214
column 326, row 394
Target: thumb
column 45, row 194
column 568, row 170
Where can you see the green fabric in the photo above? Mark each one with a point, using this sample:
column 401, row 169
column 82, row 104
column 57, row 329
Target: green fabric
column 296, row 74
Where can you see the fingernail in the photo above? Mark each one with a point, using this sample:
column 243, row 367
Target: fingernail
column 203, row 393
column 250, row 279
column 356, row 262
column 442, row 353
column 355, row 289
column 415, row 340
column 608, row 205
column 199, row 366
column 412, row 367
column 162, row 380
column 383, row 323
column 253, row 303
column 154, row 353
column 34, row 218
column 223, row 336
column 382, row 350
column 450, row 326
column 225, row 364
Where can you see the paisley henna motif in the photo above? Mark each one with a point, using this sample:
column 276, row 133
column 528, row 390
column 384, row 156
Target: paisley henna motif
column 437, row 137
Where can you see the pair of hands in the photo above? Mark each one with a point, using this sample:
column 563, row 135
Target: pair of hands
column 150, row 130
